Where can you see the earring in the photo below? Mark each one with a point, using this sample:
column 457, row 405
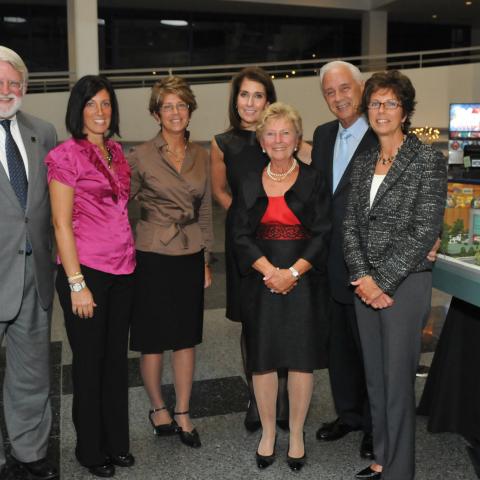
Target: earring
column 263, row 150
column 295, row 149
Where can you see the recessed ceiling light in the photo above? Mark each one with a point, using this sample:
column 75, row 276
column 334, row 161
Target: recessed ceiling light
column 14, row 19
column 468, row 2
column 174, row 23
column 434, row 15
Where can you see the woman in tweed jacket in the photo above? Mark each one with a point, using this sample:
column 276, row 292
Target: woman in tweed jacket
column 394, row 215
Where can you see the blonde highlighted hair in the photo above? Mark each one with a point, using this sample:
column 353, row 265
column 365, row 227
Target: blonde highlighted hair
column 280, row 110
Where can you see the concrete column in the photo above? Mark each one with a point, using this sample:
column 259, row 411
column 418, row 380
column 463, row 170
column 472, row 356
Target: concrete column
column 82, row 21
column 374, row 38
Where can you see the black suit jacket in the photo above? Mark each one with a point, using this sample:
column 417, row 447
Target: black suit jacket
column 322, row 160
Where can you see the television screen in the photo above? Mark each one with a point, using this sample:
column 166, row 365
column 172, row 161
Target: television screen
column 464, row 121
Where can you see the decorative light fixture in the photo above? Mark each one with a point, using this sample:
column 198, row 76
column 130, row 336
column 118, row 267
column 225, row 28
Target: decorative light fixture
column 174, row 23
column 426, row 134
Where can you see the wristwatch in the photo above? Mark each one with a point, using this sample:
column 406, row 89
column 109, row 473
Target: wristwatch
column 77, row 287
column 294, row 273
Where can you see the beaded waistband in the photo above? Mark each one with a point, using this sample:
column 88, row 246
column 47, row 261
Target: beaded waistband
column 277, row 231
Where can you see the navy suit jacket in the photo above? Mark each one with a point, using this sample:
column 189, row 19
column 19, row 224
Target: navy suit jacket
column 322, row 160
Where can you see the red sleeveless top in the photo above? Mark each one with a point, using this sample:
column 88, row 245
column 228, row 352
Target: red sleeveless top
column 280, row 223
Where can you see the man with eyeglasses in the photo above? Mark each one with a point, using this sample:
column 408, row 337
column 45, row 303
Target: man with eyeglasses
column 26, row 275
column 335, row 144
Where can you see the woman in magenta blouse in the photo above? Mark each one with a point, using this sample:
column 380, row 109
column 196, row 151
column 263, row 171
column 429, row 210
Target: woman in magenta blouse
column 89, row 181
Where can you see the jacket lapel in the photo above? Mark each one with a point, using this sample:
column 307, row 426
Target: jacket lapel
column 329, row 151
column 30, row 142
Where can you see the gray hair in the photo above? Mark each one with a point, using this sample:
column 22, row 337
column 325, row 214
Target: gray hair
column 356, row 74
column 11, row 57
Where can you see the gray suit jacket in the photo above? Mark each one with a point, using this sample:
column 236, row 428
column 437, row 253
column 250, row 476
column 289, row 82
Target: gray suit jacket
column 38, row 137
column 393, row 237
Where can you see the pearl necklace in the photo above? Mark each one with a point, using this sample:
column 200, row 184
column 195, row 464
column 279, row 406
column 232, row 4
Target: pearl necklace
column 279, row 177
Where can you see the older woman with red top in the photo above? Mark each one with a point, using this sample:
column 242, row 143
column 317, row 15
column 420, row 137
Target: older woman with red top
column 281, row 229
column 89, row 181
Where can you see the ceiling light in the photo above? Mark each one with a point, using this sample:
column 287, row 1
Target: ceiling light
column 174, row 23
column 101, row 21
column 468, row 3
column 434, row 15
column 14, row 19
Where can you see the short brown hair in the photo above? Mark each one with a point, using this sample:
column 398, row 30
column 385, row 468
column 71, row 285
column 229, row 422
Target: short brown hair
column 280, row 110
column 175, row 85
column 256, row 74
column 399, row 84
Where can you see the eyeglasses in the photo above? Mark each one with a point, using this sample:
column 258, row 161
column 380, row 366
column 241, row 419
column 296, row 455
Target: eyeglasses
column 170, row 107
column 387, row 104
column 13, row 85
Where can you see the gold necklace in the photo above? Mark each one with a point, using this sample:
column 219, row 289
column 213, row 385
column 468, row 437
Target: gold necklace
column 389, row 160
column 107, row 155
column 176, row 157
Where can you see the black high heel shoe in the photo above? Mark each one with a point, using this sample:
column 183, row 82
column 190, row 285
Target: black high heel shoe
column 297, row 463
column 163, row 429
column 191, row 439
column 264, row 461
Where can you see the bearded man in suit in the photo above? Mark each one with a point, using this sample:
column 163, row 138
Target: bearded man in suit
column 335, row 144
column 26, row 273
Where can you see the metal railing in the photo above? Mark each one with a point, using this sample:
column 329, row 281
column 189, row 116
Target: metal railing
column 145, row 77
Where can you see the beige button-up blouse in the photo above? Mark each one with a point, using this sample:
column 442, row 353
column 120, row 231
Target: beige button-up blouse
column 176, row 208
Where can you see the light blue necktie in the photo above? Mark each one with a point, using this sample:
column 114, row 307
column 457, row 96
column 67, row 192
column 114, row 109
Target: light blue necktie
column 342, row 158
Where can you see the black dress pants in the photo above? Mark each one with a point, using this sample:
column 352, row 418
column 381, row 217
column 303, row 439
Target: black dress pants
column 346, row 370
column 99, row 365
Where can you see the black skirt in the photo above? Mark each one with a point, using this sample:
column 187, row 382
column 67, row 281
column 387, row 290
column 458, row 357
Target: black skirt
column 451, row 397
column 285, row 331
column 168, row 302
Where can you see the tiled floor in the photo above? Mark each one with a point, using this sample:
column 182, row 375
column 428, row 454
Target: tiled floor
column 219, row 400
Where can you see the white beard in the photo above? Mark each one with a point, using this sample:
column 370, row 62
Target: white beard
column 12, row 108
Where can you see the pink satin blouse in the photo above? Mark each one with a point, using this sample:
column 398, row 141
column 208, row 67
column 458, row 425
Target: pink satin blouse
column 101, row 228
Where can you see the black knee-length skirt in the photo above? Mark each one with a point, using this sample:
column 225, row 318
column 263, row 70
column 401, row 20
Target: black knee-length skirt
column 168, row 302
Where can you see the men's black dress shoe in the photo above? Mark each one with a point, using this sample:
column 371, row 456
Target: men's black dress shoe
column 252, row 420
column 40, row 469
column 474, row 454
column 127, row 460
column 334, row 430
column 107, row 470
column 369, row 473
column 366, row 447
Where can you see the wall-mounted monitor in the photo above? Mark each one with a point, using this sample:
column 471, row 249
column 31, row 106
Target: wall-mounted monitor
column 464, row 121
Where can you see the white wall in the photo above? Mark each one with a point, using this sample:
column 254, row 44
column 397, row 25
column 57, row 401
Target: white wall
column 436, row 88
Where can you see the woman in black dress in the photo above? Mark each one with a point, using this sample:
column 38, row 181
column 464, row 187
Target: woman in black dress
column 280, row 231
column 234, row 154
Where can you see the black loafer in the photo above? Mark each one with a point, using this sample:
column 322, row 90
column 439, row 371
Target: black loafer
column 127, row 460
column 105, row 471
column 329, row 432
column 366, row 447
column 40, row 469
column 369, row 474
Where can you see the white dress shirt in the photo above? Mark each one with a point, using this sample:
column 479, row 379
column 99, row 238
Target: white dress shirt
column 18, row 140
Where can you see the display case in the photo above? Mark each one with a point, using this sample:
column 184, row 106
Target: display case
column 457, row 270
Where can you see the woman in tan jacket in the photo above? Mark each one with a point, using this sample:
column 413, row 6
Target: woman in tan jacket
column 171, row 182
